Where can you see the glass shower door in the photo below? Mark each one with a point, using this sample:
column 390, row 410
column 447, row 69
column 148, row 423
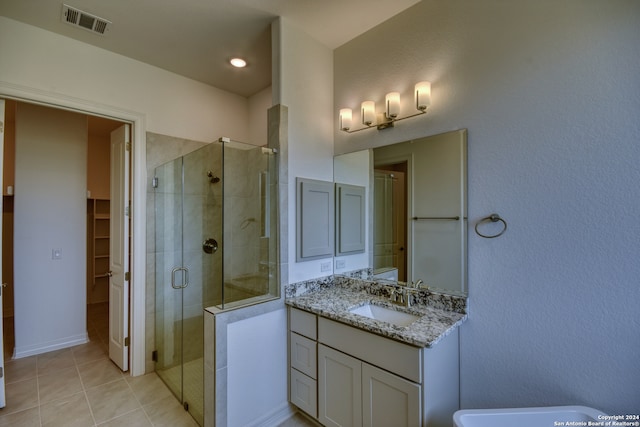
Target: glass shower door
column 188, row 197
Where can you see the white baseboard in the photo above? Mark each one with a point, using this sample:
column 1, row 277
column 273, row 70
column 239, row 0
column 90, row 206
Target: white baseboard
column 32, row 350
column 275, row 417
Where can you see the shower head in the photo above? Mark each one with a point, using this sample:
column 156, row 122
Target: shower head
column 212, row 178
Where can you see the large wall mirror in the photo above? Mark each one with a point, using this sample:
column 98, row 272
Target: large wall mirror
column 416, row 209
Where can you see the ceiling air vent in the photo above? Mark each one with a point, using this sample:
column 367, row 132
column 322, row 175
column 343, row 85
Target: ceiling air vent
column 85, row 20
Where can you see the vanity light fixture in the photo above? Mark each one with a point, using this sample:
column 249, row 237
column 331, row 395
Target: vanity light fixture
column 422, row 93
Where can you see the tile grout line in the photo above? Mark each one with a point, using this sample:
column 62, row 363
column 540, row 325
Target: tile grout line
column 144, row 411
column 84, row 389
column 38, row 393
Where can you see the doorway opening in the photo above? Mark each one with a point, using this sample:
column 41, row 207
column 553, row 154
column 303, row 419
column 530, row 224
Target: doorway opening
column 94, row 291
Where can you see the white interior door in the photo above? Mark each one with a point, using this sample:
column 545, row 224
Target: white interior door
column 3, row 401
column 119, row 249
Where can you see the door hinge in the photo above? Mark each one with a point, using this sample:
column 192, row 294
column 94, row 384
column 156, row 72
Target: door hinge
column 126, row 342
column 127, row 276
column 1, row 127
column 1, row 372
column 154, row 355
column 128, row 146
column 154, row 182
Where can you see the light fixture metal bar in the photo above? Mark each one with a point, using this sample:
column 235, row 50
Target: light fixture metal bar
column 408, row 117
column 386, row 124
column 358, row 130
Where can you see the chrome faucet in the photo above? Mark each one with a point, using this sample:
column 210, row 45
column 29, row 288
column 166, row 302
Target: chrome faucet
column 394, row 294
column 401, row 295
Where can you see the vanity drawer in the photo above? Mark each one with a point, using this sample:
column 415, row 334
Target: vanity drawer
column 303, row 323
column 303, row 353
column 304, row 392
column 401, row 359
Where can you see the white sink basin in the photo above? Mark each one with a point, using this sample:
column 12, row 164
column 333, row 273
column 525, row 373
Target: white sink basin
column 384, row 314
column 527, row 417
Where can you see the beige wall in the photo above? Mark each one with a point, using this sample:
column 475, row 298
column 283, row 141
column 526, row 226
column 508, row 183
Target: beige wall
column 172, row 105
column 50, row 214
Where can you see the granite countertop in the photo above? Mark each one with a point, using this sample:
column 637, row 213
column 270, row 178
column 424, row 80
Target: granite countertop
column 335, row 302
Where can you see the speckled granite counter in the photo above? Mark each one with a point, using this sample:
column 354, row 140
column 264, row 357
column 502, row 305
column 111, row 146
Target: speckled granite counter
column 334, row 298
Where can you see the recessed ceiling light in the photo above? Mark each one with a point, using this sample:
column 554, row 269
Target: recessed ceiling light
column 238, row 62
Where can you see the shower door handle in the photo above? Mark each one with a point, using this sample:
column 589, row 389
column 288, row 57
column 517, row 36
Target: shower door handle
column 185, row 276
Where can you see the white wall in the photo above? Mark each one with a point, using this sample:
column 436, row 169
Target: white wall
column 173, row 105
column 550, row 94
column 305, row 82
column 50, row 213
column 258, row 106
column 256, row 368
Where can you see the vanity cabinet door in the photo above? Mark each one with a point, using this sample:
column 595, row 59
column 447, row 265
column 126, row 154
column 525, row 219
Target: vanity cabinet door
column 350, row 219
column 339, row 388
column 315, row 219
column 389, row 400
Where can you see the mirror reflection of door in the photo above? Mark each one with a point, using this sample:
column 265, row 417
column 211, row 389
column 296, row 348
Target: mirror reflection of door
column 390, row 219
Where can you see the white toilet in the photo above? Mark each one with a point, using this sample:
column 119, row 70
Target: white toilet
column 526, row 417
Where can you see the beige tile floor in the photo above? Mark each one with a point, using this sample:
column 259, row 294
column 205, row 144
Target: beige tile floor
column 80, row 386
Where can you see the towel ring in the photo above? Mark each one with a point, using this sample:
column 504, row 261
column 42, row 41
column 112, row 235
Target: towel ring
column 493, row 218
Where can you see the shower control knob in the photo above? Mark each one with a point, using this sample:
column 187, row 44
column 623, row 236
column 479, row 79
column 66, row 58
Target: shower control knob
column 209, row 246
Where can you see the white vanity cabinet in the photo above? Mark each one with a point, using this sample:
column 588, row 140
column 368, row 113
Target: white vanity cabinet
column 364, row 379
column 355, row 393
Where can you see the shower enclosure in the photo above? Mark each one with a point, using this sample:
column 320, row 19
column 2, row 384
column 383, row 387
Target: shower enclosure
column 215, row 245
